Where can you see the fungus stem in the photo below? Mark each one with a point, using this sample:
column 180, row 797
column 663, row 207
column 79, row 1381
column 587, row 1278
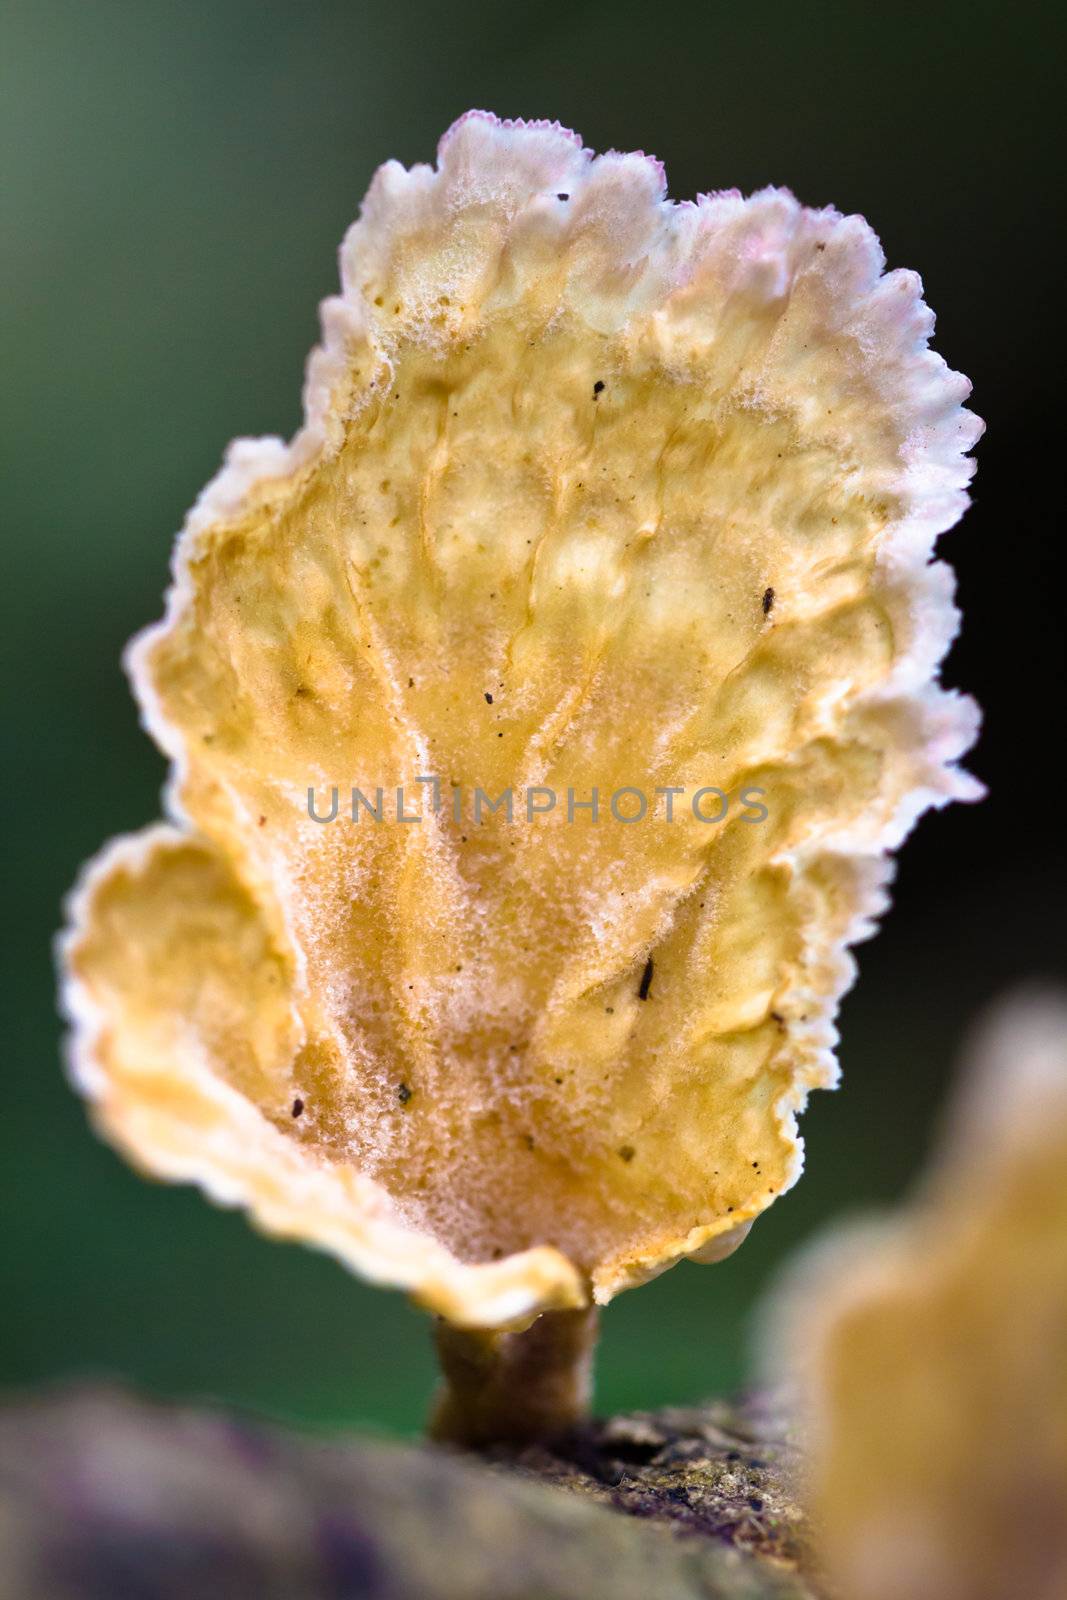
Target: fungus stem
column 514, row 1387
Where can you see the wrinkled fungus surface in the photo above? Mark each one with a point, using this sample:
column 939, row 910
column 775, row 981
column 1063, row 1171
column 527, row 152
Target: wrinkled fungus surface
column 594, row 490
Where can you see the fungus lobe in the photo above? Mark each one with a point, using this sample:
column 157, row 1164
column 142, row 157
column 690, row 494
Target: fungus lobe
column 453, row 512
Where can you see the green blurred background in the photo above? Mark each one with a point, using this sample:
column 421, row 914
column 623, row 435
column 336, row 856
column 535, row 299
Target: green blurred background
column 178, row 176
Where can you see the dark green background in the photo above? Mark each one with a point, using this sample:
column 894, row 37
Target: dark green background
column 178, row 176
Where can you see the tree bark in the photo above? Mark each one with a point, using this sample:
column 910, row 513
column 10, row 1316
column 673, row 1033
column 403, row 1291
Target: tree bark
column 103, row 1497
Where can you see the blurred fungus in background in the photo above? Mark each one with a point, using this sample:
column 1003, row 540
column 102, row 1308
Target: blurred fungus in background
column 930, row 1348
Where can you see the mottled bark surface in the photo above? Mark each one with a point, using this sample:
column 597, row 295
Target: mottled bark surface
column 107, row 1497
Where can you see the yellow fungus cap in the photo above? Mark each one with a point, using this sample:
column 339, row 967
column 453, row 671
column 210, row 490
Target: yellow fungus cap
column 594, row 491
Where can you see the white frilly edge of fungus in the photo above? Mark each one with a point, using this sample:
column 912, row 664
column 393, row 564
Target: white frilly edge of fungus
column 654, row 247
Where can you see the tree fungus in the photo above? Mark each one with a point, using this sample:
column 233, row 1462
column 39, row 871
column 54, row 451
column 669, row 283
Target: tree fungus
column 931, row 1350
column 596, row 494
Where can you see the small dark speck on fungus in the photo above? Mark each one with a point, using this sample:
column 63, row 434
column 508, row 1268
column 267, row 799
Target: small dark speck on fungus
column 768, row 600
column 488, row 698
column 403, row 1094
column 298, row 1107
column 626, row 1152
column 598, row 388
column 646, row 980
